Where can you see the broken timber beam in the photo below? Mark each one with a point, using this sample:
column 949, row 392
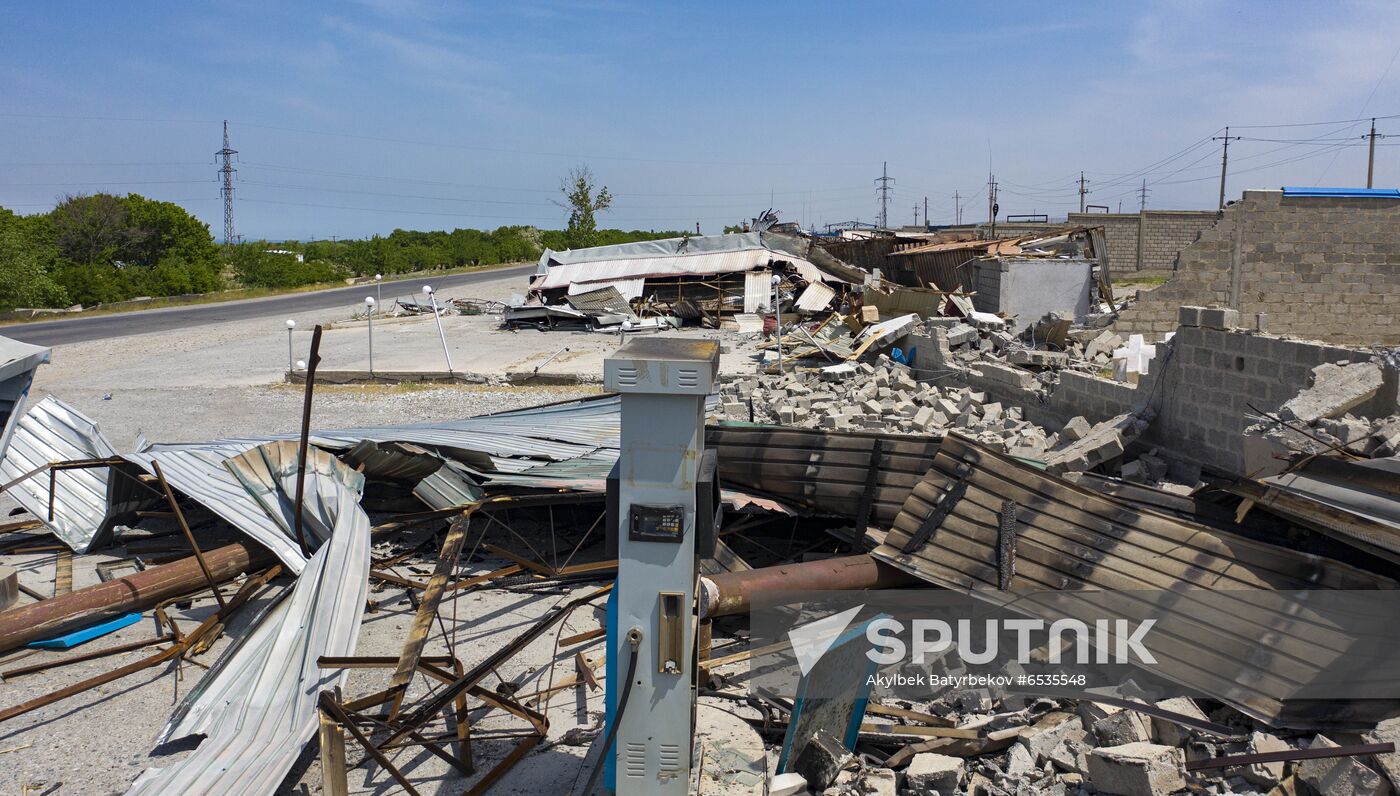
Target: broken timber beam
column 136, row 592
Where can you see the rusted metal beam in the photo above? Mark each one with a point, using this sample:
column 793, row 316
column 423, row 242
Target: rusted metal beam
column 189, row 535
column 440, row 699
column 136, row 592
column 731, row 593
column 1314, row 753
column 312, row 361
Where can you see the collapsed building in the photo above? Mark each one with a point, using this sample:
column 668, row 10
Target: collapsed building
column 701, row 279
column 934, row 425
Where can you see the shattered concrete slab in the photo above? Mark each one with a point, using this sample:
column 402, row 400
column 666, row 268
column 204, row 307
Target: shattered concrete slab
column 1335, row 389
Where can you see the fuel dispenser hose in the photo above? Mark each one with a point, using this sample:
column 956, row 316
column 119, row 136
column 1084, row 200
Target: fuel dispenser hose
column 634, row 638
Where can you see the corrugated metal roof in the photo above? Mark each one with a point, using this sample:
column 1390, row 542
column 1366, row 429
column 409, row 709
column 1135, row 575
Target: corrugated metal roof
column 448, row 487
column 198, row 472
column 1072, row 540
column 53, row 431
column 758, row 290
column 628, row 288
column 257, row 709
column 1355, row 193
column 1355, row 502
column 651, row 267
column 602, row 298
column 815, row 298
column 18, row 358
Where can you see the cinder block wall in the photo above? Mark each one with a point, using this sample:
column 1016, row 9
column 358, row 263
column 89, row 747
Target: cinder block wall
column 1320, row 268
column 1201, row 387
column 1214, row 376
column 1164, row 234
column 1120, row 232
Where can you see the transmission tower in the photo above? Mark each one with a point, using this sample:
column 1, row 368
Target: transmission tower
column 226, row 172
column 1142, row 196
column 884, row 181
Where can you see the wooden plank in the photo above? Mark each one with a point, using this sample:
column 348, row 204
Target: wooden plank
column 63, row 573
column 334, row 781
column 427, row 610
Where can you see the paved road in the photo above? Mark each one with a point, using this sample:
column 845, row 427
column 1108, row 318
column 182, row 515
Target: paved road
column 121, row 324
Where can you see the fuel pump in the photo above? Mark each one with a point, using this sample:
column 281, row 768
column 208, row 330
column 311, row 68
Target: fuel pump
column 663, row 504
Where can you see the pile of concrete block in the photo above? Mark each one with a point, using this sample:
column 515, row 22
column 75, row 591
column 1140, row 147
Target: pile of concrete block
column 880, row 396
column 1348, row 406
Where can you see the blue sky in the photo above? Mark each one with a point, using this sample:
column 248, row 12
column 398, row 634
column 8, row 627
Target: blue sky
column 356, row 118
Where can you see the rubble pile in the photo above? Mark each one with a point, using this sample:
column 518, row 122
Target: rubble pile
column 882, row 396
column 1068, row 747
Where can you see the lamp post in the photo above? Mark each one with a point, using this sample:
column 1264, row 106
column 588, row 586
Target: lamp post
column 432, row 296
column 291, row 324
column 369, row 318
column 378, row 297
column 778, row 321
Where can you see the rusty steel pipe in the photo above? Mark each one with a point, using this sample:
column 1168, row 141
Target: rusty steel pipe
column 732, row 592
column 59, row 615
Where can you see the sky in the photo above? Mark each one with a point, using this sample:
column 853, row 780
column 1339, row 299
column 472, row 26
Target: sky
column 356, row 118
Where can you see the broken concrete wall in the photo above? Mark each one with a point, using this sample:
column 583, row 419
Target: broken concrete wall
column 1028, row 288
column 1148, row 242
column 1323, row 268
column 1208, row 379
column 1212, row 378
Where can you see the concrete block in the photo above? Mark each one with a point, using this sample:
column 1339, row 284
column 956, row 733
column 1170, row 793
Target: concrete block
column 1340, row 776
column 991, row 412
column 1076, row 428
column 1039, row 359
column 822, row 759
column 789, row 784
column 1137, row 769
column 935, row 773
column 1169, row 732
column 961, row 334
column 1123, row 727
column 1220, row 318
column 1387, row 731
column 877, row 782
column 1189, row 316
column 1045, row 744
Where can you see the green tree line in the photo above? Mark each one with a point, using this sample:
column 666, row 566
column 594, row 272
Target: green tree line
column 104, row 248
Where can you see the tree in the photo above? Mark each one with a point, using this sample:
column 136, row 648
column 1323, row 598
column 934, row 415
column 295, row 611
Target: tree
column 24, row 274
column 90, row 229
column 583, row 205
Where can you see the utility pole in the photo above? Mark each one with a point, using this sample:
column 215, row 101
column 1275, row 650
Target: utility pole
column 1142, row 196
column 1082, row 191
column 957, row 208
column 1371, row 157
column 992, row 206
column 925, row 212
column 1224, row 160
column 884, row 181
column 916, row 214
column 226, row 174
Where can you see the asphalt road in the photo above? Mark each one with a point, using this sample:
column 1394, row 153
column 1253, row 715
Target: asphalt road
column 121, row 324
